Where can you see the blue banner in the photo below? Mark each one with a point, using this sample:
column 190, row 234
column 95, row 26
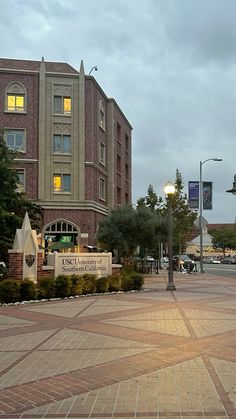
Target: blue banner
column 193, row 194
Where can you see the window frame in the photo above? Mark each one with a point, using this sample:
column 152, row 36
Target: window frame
column 20, row 185
column 15, row 90
column 102, row 188
column 14, row 131
column 62, row 142
column 62, row 105
column 102, row 153
column 102, row 115
column 62, row 185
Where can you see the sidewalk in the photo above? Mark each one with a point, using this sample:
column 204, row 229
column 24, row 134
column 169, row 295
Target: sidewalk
column 151, row 354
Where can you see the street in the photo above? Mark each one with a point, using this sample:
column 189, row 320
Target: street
column 221, row 269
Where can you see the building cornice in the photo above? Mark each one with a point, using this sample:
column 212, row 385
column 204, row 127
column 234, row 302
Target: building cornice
column 76, row 205
column 95, row 166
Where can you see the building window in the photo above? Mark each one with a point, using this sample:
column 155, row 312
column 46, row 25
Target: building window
column 102, row 115
column 102, row 153
column 15, row 139
column 118, row 163
column 118, row 195
column 62, row 105
column 126, row 198
column 61, row 143
column 102, row 189
column 15, row 98
column 61, row 183
column 126, row 171
column 20, row 185
column 126, row 142
column 118, row 132
column 15, row 103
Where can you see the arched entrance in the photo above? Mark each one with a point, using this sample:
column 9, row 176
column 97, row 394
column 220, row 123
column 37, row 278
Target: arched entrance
column 61, row 235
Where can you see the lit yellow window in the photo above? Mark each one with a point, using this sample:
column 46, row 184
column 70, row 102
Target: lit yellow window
column 67, row 104
column 15, row 103
column 57, row 183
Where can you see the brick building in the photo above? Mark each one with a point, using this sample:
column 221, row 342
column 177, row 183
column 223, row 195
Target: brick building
column 73, row 145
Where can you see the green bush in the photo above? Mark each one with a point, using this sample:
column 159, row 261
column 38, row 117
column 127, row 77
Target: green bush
column 3, row 273
column 132, row 281
column 77, row 284
column 89, row 283
column 114, row 282
column 137, row 280
column 102, row 284
column 62, row 286
column 46, row 288
column 9, row 291
column 27, row 290
column 126, row 283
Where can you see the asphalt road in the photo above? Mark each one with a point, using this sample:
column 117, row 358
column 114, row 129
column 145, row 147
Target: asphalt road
column 221, row 269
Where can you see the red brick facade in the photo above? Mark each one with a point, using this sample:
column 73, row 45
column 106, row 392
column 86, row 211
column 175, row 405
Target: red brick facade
column 42, row 82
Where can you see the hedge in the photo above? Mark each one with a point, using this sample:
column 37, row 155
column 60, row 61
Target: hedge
column 64, row 286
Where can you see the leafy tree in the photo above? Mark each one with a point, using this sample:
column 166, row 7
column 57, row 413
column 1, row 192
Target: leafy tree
column 151, row 201
column 224, row 239
column 13, row 204
column 126, row 228
column 183, row 217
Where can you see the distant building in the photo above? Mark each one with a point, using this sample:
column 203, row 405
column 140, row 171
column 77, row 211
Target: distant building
column 206, row 236
column 73, row 144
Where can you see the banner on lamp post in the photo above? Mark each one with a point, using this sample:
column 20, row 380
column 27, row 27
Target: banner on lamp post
column 207, row 195
column 193, row 194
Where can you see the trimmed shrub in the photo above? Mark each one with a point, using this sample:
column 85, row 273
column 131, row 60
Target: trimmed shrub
column 133, row 281
column 89, row 283
column 102, row 284
column 27, row 290
column 137, row 280
column 126, row 283
column 114, row 282
column 62, row 286
column 9, row 291
column 46, row 288
column 77, row 284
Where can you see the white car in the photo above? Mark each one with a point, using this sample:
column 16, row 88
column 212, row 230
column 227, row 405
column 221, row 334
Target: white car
column 210, row 259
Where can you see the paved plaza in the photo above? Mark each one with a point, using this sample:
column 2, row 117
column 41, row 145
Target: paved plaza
column 149, row 354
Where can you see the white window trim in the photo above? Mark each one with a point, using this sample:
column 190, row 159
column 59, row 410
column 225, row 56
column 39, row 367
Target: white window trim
column 61, row 152
column 102, row 191
column 11, row 90
column 62, row 113
column 102, row 160
column 24, row 139
column 18, row 169
column 102, row 111
column 62, row 191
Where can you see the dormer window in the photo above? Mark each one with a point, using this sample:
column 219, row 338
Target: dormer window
column 15, row 99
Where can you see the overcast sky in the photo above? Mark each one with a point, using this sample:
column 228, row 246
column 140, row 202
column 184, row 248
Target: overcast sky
column 171, row 67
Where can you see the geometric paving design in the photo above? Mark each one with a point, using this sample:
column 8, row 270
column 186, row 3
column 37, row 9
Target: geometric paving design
column 153, row 354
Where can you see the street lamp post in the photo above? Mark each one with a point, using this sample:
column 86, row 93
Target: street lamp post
column 233, row 190
column 200, row 205
column 169, row 190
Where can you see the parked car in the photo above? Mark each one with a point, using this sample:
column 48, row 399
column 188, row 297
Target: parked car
column 210, row 259
column 183, row 262
column 229, row 260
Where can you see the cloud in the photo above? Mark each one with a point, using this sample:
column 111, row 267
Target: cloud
column 170, row 65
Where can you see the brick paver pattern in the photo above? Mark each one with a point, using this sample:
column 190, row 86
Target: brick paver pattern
column 150, row 354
